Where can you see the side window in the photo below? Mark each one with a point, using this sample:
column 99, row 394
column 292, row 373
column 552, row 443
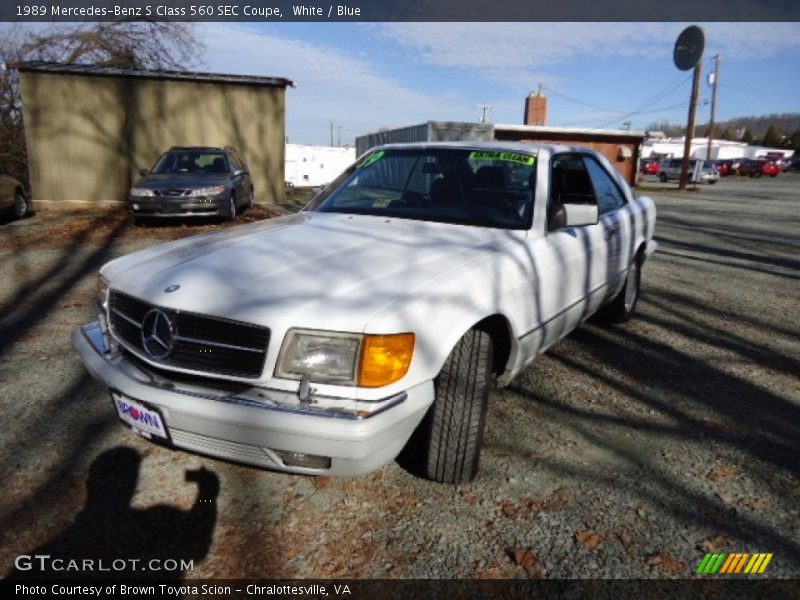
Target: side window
column 236, row 163
column 609, row 196
column 570, row 183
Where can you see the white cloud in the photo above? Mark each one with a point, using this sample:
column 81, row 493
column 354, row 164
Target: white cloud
column 517, row 53
column 332, row 85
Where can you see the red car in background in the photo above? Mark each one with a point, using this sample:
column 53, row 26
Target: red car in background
column 724, row 167
column 650, row 167
column 757, row 168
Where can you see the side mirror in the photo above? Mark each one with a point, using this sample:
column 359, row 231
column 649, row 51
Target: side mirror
column 578, row 215
column 144, row 172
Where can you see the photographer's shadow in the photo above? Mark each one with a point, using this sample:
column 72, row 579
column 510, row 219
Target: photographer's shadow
column 125, row 542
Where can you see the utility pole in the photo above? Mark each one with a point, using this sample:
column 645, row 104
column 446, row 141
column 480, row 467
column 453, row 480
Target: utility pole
column 331, row 133
column 339, row 135
column 687, row 146
column 485, row 108
column 713, row 105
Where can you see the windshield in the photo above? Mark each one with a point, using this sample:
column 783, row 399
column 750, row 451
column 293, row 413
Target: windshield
column 192, row 161
column 469, row 187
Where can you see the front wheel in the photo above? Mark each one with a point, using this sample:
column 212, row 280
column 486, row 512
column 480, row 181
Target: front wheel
column 232, row 208
column 453, row 428
column 251, row 198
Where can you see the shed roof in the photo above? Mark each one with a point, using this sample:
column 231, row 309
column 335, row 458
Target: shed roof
column 106, row 71
column 569, row 131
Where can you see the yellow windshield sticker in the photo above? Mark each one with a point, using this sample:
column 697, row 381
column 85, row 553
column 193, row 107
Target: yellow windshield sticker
column 381, row 203
column 522, row 159
column 371, row 159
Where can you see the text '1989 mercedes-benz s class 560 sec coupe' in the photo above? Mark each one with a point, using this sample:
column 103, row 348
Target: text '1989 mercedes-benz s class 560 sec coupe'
column 319, row 342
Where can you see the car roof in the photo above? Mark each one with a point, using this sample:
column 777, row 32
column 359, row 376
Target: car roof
column 204, row 148
column 519, row 147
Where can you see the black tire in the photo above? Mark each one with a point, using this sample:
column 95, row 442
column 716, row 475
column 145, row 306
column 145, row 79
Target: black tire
column 623, row 306
column 251, row 198
column 663, row 177
column 232, row 207
column 22, row 207
column 452, row 431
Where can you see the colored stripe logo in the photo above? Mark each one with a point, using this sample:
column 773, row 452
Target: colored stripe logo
column 734, row 563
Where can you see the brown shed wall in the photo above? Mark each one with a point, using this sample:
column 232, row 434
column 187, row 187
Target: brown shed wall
column 88, row 136
column 606, row 145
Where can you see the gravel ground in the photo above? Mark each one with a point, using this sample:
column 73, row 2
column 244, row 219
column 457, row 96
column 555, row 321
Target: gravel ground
column 625, row 451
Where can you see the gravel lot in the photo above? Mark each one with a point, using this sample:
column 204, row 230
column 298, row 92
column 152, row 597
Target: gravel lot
column 625, row 451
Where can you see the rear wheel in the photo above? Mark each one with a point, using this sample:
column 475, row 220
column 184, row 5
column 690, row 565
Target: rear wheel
column 453, row 428
column 21, row 206
column 623, row 305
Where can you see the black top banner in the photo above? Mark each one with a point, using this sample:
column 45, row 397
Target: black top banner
column 400, row 10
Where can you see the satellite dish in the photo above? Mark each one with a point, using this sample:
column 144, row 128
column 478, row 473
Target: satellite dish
column 689, row 47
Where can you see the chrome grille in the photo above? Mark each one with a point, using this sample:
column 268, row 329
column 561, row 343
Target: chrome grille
column 198, row 343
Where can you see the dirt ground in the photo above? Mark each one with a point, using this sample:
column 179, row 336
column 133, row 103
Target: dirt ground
column 625, row 451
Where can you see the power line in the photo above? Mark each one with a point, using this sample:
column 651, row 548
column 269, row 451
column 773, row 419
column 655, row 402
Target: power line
column 666, row 91
column 755, row 91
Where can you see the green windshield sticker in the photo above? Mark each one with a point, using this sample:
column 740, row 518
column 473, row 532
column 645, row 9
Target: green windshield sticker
column 371, row 159
column 522, row 159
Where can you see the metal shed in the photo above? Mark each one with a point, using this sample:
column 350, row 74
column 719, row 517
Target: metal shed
column 89, row 129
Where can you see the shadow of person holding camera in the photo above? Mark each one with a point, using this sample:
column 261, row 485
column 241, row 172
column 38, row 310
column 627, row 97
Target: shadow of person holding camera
column 111, row 539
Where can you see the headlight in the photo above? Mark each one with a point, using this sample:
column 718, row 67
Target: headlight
column 141, row 192
column 214, row 190
column 101, row 292
column 345, row 358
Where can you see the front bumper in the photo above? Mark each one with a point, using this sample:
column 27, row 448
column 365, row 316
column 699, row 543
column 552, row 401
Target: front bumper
column 165, row 206
column 258, row 426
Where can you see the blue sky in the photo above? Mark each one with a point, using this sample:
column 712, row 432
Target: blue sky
column 371, row 75
column 364, row 76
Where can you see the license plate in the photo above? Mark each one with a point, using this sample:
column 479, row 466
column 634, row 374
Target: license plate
column 144, row 420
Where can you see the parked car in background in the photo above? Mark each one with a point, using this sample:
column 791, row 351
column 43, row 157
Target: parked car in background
column 724, row 167
column 326, row 341
column 758, row 167
column 193, row 182
column 13, row 197
column 770, row 168
column 709, row 174
column 749, row 168
column 650, row 166
column 671, row 170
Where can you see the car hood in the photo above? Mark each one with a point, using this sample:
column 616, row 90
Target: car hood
column 180, row 180
column 304, row 267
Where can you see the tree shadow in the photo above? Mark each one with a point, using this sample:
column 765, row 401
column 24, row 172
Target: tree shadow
column 121, row 541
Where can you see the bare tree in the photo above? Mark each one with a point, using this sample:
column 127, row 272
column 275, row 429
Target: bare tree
column 126, row 44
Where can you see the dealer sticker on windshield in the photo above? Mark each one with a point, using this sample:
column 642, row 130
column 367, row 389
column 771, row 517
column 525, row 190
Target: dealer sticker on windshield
column 144, row 421
column 522, row 159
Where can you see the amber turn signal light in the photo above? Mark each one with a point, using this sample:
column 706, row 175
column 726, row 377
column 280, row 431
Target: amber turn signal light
column 385, row 358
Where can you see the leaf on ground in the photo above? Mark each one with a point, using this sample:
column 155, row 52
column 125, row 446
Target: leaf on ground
column 757, row 503
column 721, row 472
column 665, row 562
column 589, row 539
column 525, row 558
column 714, row 544
column 321, row 481
column 492, row 572
column 469, row 498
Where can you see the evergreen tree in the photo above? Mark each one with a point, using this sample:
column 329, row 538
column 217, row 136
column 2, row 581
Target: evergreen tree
column 772, row 138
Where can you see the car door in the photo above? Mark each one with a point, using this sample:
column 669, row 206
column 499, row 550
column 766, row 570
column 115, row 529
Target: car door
column 243, row 183
column 574, row 273
column 617, row 224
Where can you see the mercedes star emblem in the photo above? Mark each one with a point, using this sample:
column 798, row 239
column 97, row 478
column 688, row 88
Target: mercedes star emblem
column 158, row 334
column 172, row 288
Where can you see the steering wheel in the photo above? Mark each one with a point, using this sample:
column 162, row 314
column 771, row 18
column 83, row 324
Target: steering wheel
column 496, row 201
